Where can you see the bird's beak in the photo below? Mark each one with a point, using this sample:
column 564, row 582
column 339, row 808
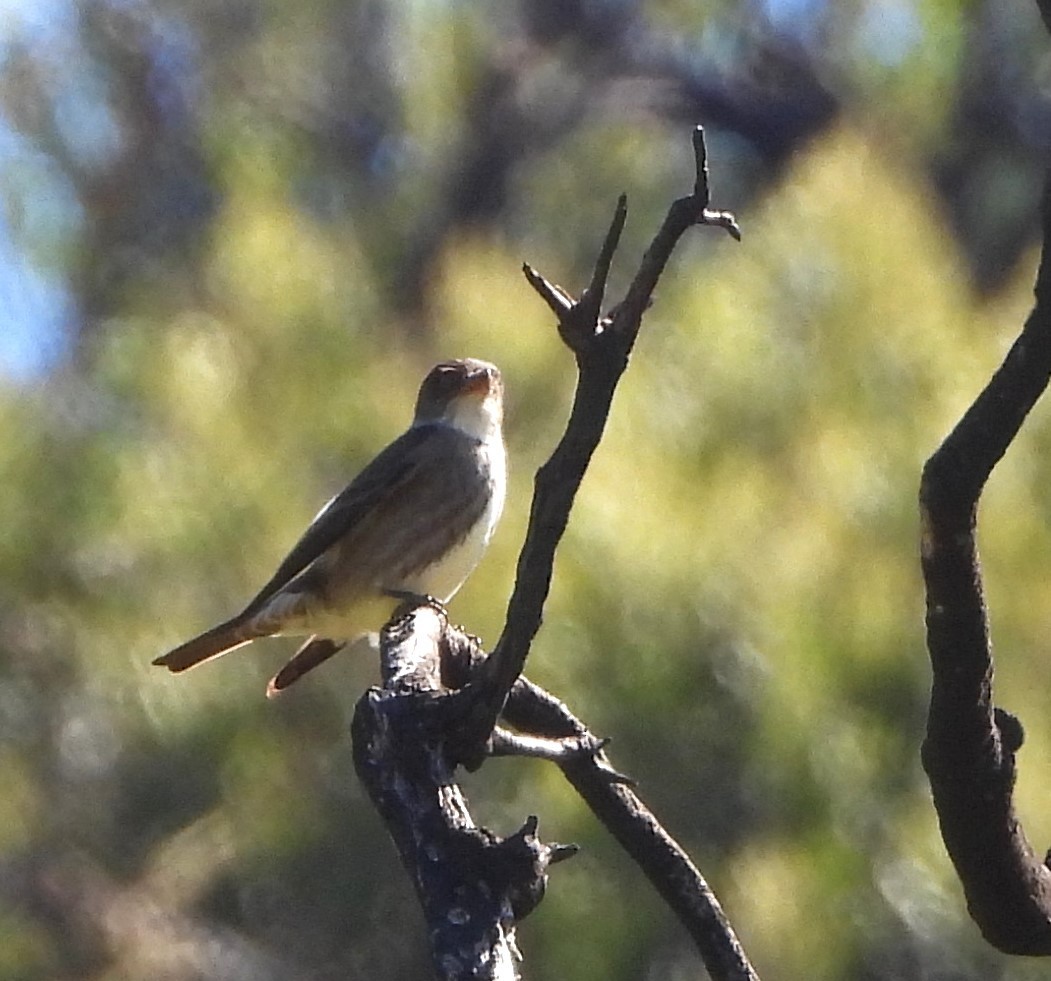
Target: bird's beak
column 479, row 382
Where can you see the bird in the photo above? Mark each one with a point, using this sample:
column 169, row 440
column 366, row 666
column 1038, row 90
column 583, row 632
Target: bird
column 413, row 523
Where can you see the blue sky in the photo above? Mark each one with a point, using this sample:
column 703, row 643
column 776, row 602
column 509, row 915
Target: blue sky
column 35, row 306
column 34, row 316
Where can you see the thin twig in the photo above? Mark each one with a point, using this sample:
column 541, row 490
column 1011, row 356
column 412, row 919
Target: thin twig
column 616, row 804
column 553, row 295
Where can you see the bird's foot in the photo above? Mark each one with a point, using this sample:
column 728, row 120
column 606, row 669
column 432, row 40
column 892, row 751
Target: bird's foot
column 411, row 598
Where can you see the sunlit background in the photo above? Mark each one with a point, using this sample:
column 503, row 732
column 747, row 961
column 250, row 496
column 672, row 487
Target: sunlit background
column 233, row 238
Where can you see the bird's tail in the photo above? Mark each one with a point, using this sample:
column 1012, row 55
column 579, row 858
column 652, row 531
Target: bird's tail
column 225, row 637
column 315, row 651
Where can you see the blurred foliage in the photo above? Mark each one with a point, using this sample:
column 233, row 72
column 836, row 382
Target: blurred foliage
column 258, row 224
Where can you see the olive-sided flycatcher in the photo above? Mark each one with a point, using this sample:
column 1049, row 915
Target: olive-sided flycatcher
column 415, row 521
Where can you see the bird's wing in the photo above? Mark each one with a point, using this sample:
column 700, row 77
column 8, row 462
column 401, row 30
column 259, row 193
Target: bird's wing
column 388, row 475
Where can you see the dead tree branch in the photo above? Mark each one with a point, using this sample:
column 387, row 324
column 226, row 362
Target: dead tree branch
column 601, row 345
column 473, row 886
column 612, row 798
column 969, row 751
column 442, row 696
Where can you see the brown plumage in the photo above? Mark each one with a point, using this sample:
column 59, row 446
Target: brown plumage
column 416, row 520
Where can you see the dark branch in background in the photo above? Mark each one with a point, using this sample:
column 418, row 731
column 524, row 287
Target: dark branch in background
column 441, row 695
column 969, row 751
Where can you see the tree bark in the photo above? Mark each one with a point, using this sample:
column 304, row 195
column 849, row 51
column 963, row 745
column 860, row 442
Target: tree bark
column 442, row 696
column 970, row 746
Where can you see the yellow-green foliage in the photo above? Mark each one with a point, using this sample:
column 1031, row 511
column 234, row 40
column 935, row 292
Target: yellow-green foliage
column 737, row 601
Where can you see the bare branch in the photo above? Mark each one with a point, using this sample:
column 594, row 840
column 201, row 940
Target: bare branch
column 579, row 324
column 601, row 347
column 473, row 885
column 969, row 750
column 553, row 749
column 615, row 803
column 552, row 294
column 612, row 798
column 406, row 752
column 722, row 219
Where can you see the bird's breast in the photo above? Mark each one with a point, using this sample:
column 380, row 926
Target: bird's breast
column 446, row 574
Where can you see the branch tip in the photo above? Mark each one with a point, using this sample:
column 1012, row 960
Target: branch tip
column 609, row 246
column 559, row 853
column 702, row 189
column 721, row 219
column 590, row 308
column 557, row 299
column 700, row 156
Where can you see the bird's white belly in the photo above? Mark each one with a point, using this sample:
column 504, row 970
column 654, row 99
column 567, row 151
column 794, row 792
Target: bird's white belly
column 443, row 578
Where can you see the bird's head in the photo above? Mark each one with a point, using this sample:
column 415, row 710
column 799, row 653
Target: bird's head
column 466, row 393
